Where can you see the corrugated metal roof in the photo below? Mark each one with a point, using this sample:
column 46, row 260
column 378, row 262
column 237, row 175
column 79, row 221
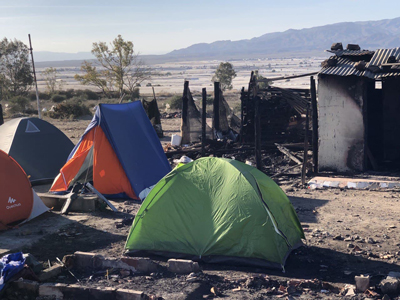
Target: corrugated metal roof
column 381, row 56
column 346, row 67
column 346, row 52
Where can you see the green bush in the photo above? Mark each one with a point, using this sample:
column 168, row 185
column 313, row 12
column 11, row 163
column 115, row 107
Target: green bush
column 68, row 93
column 19, row 104
column 57, row 98
column 42, row 96
column 70, row 109
column 209, row 100
column 175, row 102
column 90, row 95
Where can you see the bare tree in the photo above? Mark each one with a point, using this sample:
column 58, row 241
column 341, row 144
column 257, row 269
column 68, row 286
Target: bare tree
column 119, row 67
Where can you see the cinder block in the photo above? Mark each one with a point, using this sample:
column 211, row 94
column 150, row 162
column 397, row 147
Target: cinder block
column 27, row 285
column 182, row 266
column 84, row 260
column 104, row 293
column 51, row 272
column 76, row 291
column 124, row 294
column 52, row 289
column 143, row 265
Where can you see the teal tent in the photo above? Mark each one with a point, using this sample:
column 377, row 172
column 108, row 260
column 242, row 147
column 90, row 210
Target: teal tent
column 217, row 210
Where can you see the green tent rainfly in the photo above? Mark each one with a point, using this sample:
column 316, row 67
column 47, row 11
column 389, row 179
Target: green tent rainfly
column 217, row 210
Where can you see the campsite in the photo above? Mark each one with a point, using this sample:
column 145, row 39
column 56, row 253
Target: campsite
column 261, row 168
column 340, row 243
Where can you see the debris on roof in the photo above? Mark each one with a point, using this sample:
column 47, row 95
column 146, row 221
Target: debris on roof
column 363, row 63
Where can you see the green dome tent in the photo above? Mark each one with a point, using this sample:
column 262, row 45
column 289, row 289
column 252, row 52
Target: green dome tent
column 217, row 210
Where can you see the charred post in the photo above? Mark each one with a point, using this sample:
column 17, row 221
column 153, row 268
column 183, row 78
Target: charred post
column 257, row 132
column 1, row 115
column 185, row 132
column 216, row 107
column 242, row 98
column 305, row 157
column 313, row 93
column 203, row 120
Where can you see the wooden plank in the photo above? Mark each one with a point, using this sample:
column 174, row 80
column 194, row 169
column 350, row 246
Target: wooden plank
column 100, row 195
column 287, row 169
column 286, row 77
column 288, row 153
column 68, row 203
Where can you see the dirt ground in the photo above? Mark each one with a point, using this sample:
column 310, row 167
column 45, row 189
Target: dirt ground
column 348, row 233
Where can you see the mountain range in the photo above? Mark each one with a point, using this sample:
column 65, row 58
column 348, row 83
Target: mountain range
column 293, row 42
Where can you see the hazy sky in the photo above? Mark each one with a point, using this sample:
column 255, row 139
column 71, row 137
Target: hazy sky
column 160, row 26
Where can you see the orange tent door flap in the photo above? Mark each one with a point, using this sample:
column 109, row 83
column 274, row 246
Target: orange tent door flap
column 108, row 175
column 72, row 167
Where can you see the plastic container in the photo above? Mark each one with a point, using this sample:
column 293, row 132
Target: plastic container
column 176, row 140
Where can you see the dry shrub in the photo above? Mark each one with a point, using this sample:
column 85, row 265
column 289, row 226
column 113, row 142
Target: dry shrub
column 19, row 104
column 70, row 109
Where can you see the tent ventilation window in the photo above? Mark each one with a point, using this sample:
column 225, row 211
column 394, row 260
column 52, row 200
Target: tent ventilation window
column 31, row 128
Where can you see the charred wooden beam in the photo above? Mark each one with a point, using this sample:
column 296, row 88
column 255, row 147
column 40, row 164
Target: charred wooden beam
column 288, row 153
column 305, row 158
column 216, row 107
column 314, row 107
column 185, row 130
column 257, row 133
column 286, row 77
column 203, row 120
column 242, row 99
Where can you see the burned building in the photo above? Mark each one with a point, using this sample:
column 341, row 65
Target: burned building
column 358, row 110
column 282, row 113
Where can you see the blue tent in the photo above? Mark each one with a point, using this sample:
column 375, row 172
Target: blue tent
column 119, row 139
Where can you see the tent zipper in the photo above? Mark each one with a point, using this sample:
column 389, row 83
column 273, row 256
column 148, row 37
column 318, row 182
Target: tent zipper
column 277, row 230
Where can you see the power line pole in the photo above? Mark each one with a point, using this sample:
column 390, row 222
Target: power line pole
column 34, row 76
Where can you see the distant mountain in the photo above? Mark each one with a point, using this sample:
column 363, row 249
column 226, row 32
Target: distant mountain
column 369, row 35
column 313, row 41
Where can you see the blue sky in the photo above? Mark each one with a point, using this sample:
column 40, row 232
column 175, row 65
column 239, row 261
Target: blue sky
column 157, row 26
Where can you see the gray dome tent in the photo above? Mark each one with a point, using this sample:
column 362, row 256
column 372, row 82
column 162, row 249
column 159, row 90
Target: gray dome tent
column 39, row 147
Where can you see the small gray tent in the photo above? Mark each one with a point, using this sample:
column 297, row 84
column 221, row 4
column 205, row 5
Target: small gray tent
column 39, row 147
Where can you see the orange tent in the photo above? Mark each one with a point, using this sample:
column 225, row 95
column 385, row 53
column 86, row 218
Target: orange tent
column 18, row 201
column 119, row 153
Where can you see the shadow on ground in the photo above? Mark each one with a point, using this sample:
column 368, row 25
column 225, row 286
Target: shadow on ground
column 305, row 208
